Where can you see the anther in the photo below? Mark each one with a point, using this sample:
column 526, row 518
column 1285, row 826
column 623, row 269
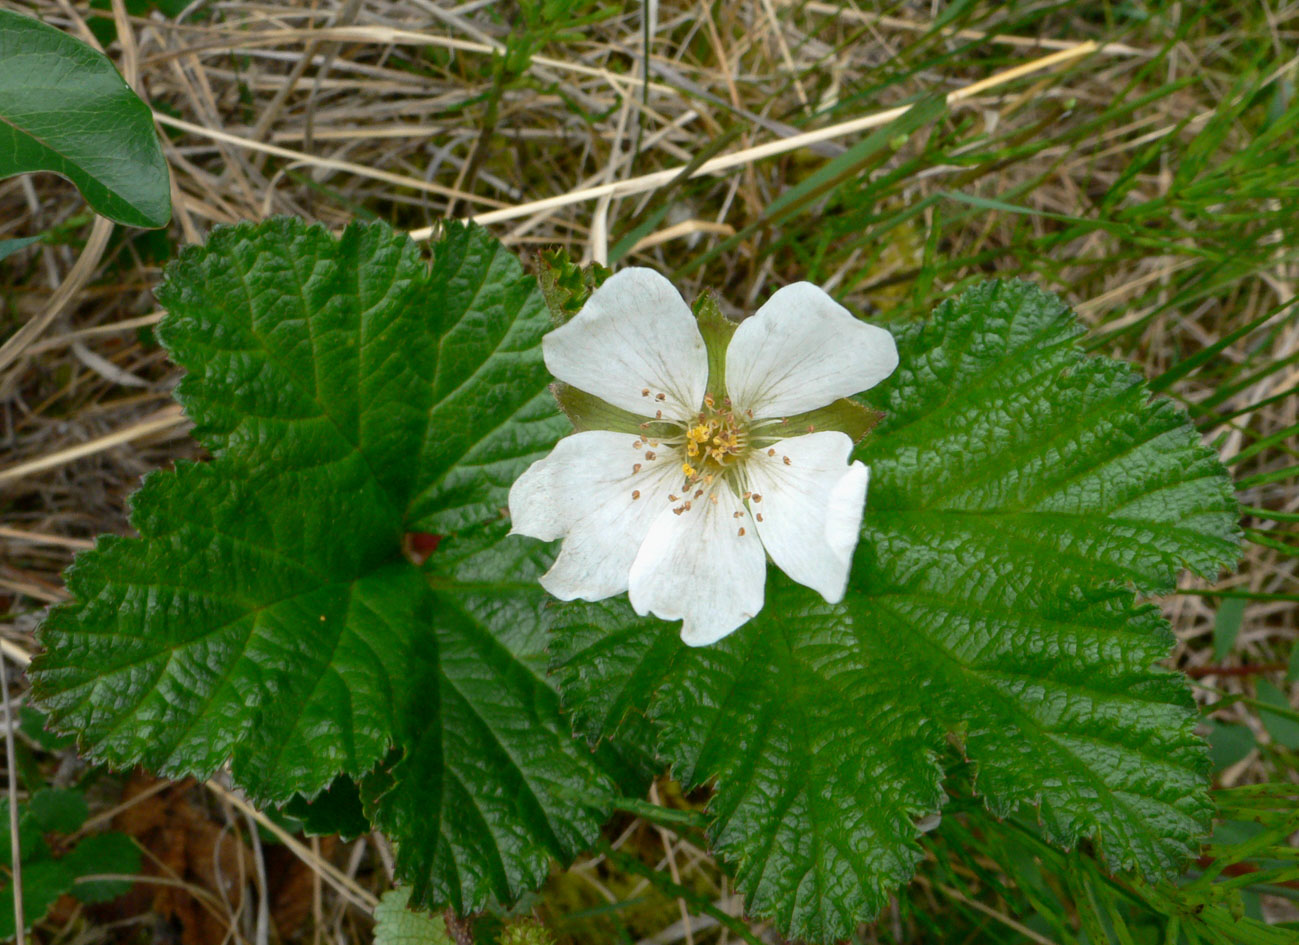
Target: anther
column 687, row 505
column 635, row 468
column 759, row 516
column 737, row 515
column 660, row 397
column 698, row 493
column 658, row 414
column 644, row 392
column 649, row 454
column 810, row 428
column 637, row 445
column 770, row 452
column 741, row 531
column 785, row 460
column 749, row 414
column 757, row 497
column 748, row 495
column 708, row 399
column 635, row 493
column 672, row 498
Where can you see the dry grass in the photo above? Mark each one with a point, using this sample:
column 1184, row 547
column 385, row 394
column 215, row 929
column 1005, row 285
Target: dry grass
column 338, row 109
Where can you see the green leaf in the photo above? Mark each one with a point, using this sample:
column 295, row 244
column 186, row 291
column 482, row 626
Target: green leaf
column 9, row 247
column 59, row 810
column 1226, row 625
column 350, row 393
column 103, row 854
column 1020, row 492
column 1283, row 728
column 64, row 108
column 396, row 924
column 335, row 810
column 1229, row 744
column 44, row 881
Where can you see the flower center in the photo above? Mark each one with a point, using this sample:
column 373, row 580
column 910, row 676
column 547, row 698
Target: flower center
column 712, row 447
column 715, row 440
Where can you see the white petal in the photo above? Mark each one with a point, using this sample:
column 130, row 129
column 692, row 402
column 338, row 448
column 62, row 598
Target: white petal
column 635, row 334
column 582, row 492
column 705, row 567
column 810, row 509
column 803, row 350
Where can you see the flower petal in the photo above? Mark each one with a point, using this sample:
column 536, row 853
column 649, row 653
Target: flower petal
column 589, row 492
column 803, row 350
column 705, row 567
column 634, row 341
column 809, row 511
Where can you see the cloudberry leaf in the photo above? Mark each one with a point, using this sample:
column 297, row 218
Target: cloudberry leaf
column 64, row 108
column 1020, row 494
column 267, row 616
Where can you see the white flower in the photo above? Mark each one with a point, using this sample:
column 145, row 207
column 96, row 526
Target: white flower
column 682, row 507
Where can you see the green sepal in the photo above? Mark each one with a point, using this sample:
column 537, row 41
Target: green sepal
column 717, row 330
column 566, row 285
column 588, row 412
column 845, row 415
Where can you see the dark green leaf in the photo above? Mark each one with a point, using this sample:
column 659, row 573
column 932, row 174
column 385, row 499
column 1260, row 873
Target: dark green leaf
column 59, row 810
column 44, row 881
column 1226, row 624
column 1019, row 492
column 1229, row 744
column 267, row 614
column 1283, row 728
column 335, row 810
column 64, row 108
column 33, row 724
column 103, row 854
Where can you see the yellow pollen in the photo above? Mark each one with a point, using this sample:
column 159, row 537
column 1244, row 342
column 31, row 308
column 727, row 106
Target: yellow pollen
column 687, row 469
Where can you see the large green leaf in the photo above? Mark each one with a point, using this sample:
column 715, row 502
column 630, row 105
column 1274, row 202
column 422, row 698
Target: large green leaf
column 1020, row 493
column 351, row 394
column 64, row 108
